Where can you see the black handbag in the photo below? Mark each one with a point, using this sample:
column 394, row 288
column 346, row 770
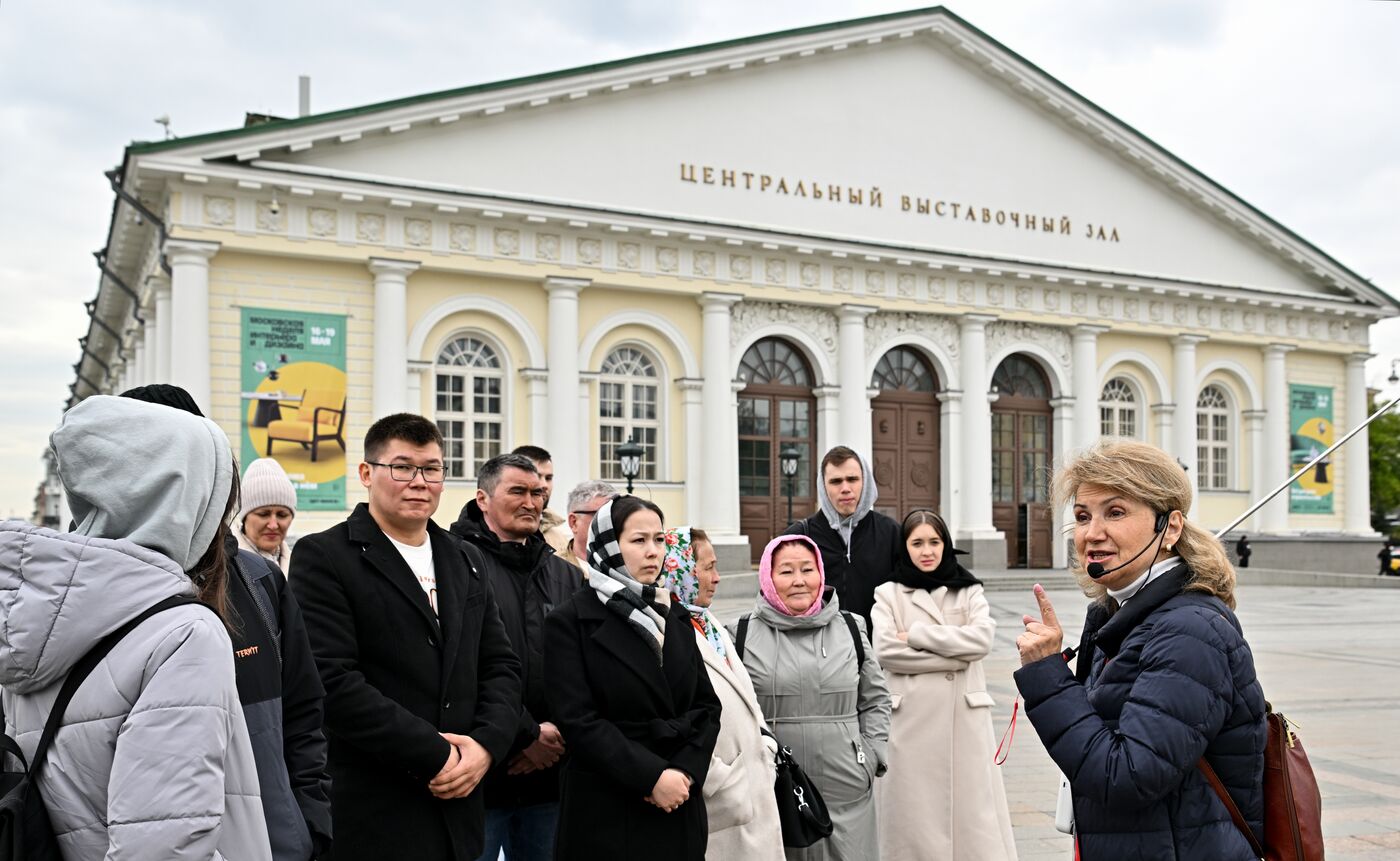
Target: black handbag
column 801, row 809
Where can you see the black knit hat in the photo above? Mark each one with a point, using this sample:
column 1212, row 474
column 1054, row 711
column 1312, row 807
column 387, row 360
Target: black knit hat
column 165, row 395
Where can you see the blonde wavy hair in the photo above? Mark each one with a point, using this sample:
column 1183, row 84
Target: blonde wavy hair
column 1154, row 478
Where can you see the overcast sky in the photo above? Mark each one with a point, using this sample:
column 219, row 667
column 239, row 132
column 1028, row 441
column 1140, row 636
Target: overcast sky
column 1291, row 105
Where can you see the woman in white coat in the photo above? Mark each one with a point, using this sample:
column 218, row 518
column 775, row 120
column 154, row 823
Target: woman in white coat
column 739, row 787
column 943, row 796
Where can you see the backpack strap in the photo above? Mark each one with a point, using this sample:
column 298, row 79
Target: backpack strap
column 1214, row 780
column 742, row 634
column 855, row 639
column 84, row 667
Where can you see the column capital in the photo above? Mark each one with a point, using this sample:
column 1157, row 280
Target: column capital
column 689, row 384
column 1253, row 418
column 976, row 321
column 1278, row 349
column 1163, row 409
column 381, row 266
column 190, row 250
column 560, row 284
column 855, row 313
column 1061, row 403
column 1088, row 330
column 711, row 301
column 826, row 391
column 1355, row 360
column 159, row 283
column 1187, row 340
column 949, row 396
column 534, row 374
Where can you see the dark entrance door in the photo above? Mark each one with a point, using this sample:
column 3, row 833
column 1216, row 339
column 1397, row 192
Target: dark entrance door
column 776, row 410
column 904, row 435
column 1021, row 456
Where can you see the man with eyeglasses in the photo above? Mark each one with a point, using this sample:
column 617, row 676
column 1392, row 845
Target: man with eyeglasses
column 422, row 685
column 584, row 502
column 503, row 523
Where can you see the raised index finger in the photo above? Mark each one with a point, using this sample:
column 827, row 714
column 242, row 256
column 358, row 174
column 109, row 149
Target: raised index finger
column 1047, row 610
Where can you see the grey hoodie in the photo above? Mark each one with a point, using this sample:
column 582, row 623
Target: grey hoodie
column 866, row 504
column 153, row 758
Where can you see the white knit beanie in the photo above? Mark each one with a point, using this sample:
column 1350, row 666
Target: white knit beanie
column 266, row 483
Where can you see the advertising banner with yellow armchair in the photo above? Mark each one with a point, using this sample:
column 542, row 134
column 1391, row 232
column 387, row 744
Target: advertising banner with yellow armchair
column 293, row 391
column 1310, row 423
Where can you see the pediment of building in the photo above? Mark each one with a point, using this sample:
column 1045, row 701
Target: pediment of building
column 910, row 132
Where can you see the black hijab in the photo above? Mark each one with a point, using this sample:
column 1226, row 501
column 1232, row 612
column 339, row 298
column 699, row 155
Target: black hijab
column 948, row 573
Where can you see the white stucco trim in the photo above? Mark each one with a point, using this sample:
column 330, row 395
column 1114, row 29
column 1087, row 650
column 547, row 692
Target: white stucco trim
column 943, row 365
column 1239, row 376
column 815, row 354
column 417, row 338
column 1054, row 370
column 1134, row 357
column 668, row 330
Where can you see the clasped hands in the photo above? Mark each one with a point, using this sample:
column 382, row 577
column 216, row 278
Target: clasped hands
column 542, row 753
column 467, row 763
column 671, row 791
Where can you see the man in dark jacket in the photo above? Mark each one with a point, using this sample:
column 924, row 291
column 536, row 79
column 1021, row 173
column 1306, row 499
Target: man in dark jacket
column 422, row 687
column 522, row 792
column 860, row 546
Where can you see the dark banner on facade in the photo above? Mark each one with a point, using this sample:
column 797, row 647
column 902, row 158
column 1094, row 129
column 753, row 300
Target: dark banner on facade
column 293, row 389
column 1310, row 424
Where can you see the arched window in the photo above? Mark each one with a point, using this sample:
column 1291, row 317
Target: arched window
column 1213, row 439
column 468, row 386
column 628, row 405
column 1118, row 413
column 772, row 362
column 902, row 370
column 1019, row 377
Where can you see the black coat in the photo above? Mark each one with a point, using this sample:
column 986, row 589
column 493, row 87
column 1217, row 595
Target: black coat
column 528, row 581
column 396, row 676
column 281, row 695
column 1172, row 679
column 871, row 559
column 626, row 719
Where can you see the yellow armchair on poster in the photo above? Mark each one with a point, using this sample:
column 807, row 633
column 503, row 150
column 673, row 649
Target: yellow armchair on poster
column 320, row 416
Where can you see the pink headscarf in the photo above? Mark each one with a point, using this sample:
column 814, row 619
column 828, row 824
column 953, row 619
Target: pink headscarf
column 765, row 576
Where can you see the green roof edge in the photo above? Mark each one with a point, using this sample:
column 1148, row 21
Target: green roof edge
column 141, row 148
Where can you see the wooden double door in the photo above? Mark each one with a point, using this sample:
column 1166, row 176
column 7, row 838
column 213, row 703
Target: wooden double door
column 1022, row 447
column 905, row 452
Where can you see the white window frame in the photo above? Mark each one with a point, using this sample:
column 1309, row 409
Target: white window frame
column 468, row 417
column 1133, row 406
column 1227, row 447
column 607, row 470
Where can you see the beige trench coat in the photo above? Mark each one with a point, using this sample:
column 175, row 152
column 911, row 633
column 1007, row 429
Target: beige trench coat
column 739, row 788
column 943, row 796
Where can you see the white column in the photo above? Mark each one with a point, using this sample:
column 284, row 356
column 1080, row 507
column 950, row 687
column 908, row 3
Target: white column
column 537, row 398
column 1183, row 445
column 1254, row 432
column 1162, row 418
column 160, row 369
column 1065, row 421
column 852, row 377
column 1086, row 386
column 567, row 435
column 828, row 419
column 584, row 447
column 719, row 481
column 189, row 317
column 138, row 374
column 418, row 370
column 691, row 418
column 1274, row 451
column 950, row 439
column 390, row 335
column 1356, row 510
column 976, row 470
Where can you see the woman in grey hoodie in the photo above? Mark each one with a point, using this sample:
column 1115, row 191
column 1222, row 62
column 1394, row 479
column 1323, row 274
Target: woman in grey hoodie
column 153, row 758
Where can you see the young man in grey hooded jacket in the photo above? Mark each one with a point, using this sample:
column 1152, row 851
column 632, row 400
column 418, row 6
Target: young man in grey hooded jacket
column 153, row 758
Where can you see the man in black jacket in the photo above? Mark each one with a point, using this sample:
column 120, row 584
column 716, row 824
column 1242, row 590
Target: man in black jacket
column 422, row 687
column 859, row 545
column 522, row 792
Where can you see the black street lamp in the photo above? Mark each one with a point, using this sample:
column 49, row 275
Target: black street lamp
column 629, row 454
column 788, row 457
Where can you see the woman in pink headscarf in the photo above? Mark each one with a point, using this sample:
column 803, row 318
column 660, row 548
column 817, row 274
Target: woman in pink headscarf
column 821, row 691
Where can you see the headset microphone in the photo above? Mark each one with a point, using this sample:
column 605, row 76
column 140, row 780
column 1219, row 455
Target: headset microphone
column 1159, row 528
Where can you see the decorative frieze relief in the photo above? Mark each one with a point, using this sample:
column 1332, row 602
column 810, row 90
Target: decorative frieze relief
column 885, row 327
column 350, row 222
column 817, row 322
column 1011, row 334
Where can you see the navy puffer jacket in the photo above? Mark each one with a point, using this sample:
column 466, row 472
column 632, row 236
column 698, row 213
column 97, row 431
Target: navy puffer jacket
column 1172, row 678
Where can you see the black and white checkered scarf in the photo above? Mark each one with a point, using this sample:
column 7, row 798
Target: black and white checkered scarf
column 644, row 607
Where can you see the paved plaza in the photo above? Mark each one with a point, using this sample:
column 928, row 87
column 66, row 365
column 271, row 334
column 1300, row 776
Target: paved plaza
column 1329, row 659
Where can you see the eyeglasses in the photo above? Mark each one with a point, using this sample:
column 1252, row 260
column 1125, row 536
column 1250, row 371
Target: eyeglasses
column 406, row 471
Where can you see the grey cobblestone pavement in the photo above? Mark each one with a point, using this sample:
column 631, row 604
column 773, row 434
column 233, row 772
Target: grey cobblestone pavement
column 1328, row 659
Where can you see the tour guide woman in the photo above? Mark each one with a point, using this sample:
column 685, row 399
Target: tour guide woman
column 634, row 701
column 1164, row 678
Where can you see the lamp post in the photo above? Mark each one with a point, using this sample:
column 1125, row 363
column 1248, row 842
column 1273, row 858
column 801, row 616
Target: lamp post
column 788, row 457
column 629, row 454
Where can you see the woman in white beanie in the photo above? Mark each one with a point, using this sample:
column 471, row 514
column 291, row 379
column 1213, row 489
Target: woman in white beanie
column 269, row 505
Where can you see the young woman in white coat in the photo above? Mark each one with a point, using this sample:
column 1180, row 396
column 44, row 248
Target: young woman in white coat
column 739, row 788
column 943, row 796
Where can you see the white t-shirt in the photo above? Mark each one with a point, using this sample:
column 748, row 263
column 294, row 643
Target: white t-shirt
column 420, row 559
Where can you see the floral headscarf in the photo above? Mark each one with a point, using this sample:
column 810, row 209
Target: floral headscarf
column 765, row 575
column 678, row 576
